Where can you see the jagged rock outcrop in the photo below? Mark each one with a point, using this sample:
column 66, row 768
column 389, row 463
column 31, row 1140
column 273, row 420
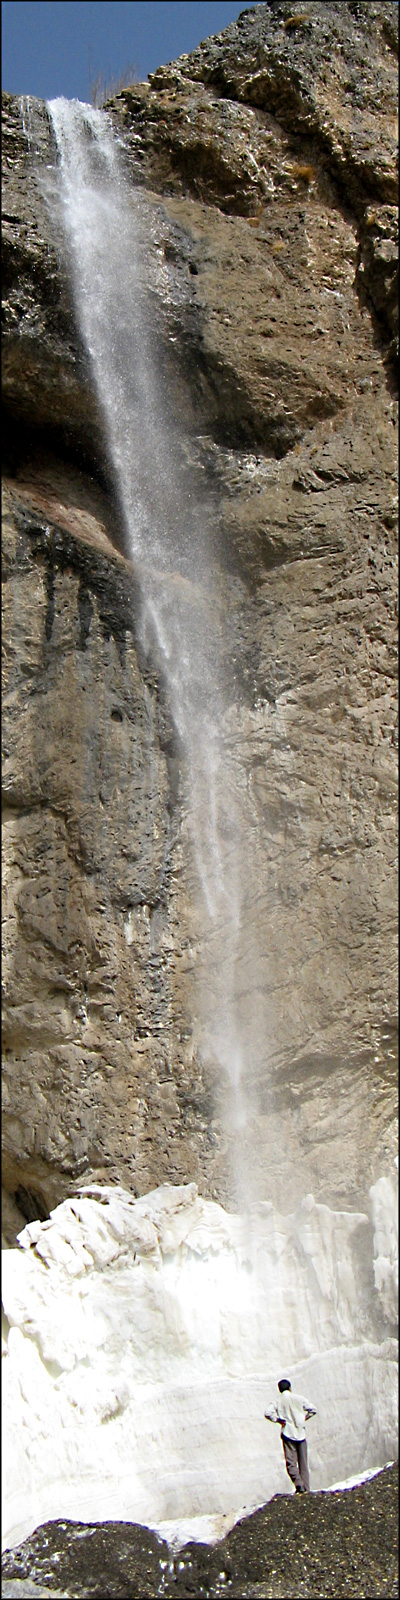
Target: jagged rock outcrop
column 268, row 161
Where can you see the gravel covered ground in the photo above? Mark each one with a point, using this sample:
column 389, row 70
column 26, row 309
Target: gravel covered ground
column 341, row 1544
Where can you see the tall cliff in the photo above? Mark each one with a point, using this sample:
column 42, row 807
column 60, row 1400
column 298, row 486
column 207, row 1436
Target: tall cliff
column 267, row 159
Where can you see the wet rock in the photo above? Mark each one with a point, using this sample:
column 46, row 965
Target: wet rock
column 267, row 165
column 87, row 823
column 46, row 380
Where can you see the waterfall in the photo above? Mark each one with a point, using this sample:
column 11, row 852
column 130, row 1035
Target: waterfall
column 168, row 523
column 144, row 1336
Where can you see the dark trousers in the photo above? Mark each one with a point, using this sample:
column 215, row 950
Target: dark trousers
column 295, row 1451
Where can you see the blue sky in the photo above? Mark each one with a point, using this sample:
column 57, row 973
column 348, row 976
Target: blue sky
column 54, row 48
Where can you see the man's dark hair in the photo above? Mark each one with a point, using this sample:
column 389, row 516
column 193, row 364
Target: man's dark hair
column 284, row 1384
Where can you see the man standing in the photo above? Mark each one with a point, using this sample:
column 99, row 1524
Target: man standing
column 292, row 1413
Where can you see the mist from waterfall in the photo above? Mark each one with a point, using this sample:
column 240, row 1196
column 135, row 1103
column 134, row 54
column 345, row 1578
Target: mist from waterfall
column 151, row 1330
column 168, row 519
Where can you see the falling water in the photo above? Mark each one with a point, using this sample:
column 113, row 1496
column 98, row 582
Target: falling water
column 26, row 109
column 114, row 1315
column 108, row 226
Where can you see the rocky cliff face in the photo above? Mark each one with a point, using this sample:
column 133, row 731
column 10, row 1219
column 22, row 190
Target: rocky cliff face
column 267, row 159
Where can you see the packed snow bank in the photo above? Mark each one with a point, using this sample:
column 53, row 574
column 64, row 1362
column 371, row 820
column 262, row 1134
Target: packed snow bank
column 385, row 1219
column 143, row 1343
column 358, row 1477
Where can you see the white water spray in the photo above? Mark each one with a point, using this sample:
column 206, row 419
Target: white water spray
column 150, row 1332
column 168, row 521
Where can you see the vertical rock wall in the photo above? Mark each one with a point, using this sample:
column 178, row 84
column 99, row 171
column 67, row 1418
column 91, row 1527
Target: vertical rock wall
column 268, row 164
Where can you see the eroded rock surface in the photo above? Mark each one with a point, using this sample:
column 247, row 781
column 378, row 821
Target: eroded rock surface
column 267, row 163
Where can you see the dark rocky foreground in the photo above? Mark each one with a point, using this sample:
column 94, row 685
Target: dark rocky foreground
column 342, row 1544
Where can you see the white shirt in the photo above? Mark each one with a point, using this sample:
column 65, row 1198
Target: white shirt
column 291, row 1412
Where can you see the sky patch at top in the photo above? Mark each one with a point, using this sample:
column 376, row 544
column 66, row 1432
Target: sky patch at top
column 56, row 48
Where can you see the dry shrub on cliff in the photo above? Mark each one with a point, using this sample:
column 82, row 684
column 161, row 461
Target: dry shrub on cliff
column 297, row 20
column 301, row 170
column 102, row 89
